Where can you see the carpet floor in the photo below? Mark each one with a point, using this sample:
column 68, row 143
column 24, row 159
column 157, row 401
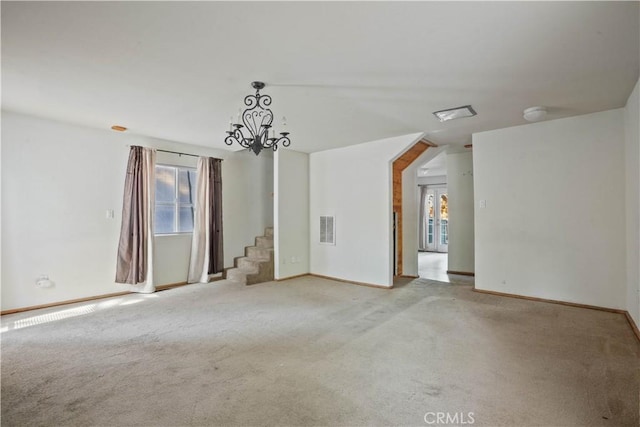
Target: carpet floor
column 311, row 351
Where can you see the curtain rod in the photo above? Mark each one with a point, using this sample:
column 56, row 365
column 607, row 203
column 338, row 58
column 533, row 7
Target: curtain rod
column 180, row 154
column 177, row 152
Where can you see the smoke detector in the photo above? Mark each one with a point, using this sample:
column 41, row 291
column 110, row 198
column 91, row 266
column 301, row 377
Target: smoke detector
column 535, row 114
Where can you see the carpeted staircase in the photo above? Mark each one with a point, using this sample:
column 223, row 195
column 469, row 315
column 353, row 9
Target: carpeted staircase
column 257, row 264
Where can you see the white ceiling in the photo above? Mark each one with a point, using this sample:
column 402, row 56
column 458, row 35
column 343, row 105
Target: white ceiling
column 435, row 167
column 342, row 72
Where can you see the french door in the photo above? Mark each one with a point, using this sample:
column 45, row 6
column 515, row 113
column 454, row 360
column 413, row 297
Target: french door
column 437, row 220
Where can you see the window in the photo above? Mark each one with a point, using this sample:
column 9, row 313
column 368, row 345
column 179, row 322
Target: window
column 175, row 196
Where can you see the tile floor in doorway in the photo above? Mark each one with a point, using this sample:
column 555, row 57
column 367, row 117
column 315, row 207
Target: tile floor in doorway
column 433, row 266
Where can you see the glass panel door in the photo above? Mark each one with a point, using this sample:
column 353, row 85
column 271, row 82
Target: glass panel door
column 430, row 226
column 436, row 227
column 443, row 211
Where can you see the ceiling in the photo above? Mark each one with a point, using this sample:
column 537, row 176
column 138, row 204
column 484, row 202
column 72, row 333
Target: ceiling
column 341, row 72
column 434, row 167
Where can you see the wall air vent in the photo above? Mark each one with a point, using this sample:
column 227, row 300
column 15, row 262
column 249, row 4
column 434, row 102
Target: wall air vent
column 327, row 230
column 455, row 113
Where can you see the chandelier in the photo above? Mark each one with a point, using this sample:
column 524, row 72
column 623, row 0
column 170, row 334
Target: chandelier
column 257, row 132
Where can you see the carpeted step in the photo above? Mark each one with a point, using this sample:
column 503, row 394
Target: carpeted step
column 236, row 275
column 250, row 272
column 264, row 273
column 264, row 242
column 257, row 266
column 247, row 264
column 255, row 252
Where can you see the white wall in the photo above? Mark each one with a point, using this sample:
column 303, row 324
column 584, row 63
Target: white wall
column 632, row 195
column 291, row 216
column 247, row 204
column 460, row 193
column 354, row 184
column 432, row 180
column 58, row 180
column 553, row 226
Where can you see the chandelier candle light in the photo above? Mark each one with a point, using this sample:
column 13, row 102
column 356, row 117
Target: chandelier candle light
column 257, row 119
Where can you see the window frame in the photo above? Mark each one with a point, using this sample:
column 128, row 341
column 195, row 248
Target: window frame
column 176, row 204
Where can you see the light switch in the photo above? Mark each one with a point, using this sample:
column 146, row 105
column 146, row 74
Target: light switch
column 483, row 203
column 110, row 214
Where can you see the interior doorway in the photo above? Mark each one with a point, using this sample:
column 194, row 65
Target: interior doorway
column 443, row 173
column 433, row 215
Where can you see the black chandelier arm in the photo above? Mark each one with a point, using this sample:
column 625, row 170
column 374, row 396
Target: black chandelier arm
column 284, row 140
column 238, row 137
column 269, row 142
column 230, row 139
column 273, row 142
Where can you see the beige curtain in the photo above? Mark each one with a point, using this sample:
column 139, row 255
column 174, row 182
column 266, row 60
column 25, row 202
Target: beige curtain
column 206, row 246
column 135, row 249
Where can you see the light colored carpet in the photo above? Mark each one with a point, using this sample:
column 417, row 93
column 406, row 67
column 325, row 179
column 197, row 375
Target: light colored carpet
column 311, row 351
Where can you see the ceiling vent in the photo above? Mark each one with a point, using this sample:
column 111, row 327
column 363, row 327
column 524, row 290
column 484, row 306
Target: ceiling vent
column 455, row 113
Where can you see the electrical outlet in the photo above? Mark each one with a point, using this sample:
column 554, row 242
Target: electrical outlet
column 43, row 281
